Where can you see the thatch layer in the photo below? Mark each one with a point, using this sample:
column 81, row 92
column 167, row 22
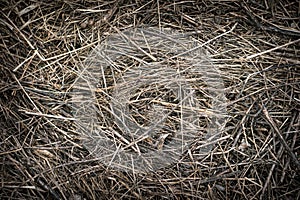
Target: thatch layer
column 256, row 47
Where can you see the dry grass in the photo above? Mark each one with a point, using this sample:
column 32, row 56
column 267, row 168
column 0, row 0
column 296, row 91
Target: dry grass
column 255, row 45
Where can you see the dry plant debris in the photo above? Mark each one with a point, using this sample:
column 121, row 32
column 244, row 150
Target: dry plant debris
column 255, row 44
column 144, row 96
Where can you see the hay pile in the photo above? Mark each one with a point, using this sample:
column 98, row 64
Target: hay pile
column 254, row 45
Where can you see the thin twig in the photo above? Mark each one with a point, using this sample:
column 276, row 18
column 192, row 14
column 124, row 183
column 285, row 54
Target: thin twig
column 279, row 135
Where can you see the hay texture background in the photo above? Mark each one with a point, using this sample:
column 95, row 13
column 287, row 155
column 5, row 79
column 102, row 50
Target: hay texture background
column 255, row 44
